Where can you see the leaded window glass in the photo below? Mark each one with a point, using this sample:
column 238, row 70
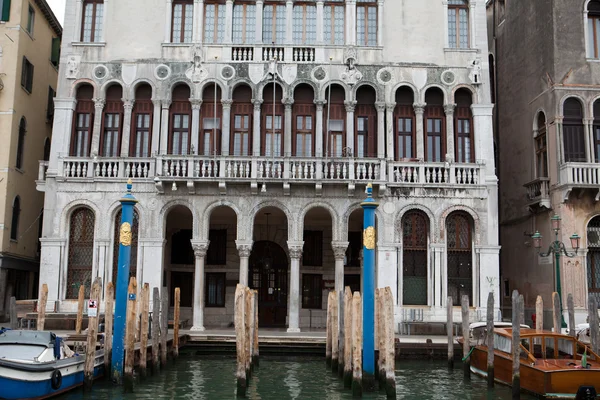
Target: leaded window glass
column 460, row 257
column 593, row 258
column 434, row 139
column 112, row 126
column 274, row 23
column 458, row 24
column 134, row 246
column 305, row 24
column 214, row 23
column 81, row 252
column 405, row 138
column 334, row 24
column 273, row 136
column 181, row 132
column 361, row 136
column 244, row 23
column 366, row 23
column 93, row 14
column 463, row 134
column 183, row 21
column 304, row 128
column 142, row 135
column 414, row 257
column 241, row 134
column 82, row 135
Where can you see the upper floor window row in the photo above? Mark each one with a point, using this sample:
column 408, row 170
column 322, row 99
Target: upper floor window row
column 92, row 21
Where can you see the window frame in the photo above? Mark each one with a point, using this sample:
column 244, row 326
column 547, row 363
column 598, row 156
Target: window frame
column 434, row 134
column 93, row 28
column 16, row 214
column 180, row 108
column 331, row 5
column 30, row 20
column 456, row 34
column 85, row 241
column 573, row 134
column 141, row 108
column 541, row 151
column 275, row 40
column 463, row 115
column 219, row 23
column 84, row 107
column 184, row 28
column 27, row 70
column 304, row 24
column 221, row 281
column 593, row 37
column 313, row 299
column 244, row 134
column 21, row 143
column 369, row 6
column 245, row 22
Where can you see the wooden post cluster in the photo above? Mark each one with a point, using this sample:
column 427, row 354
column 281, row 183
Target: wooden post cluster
column 41, row 321
column 335, row 348
column 155, row 330
column 164, row 325
column 571, row 308
column 465, row 329
column 80, row 301
column 130, row 333
column 348, row 337
column 556, row 311
column 90, row 351
column 593, row 320
column 388, row 345
column 539, row 314
column 177, row 298
column 341, row 333
column 144, row 327
column 109, row 300
column 246, row 332
column 329, row 330
column 357, row 345
column 379, row 324
column 449, row 327
column 517, row 307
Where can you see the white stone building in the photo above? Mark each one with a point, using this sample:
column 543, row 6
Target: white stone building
column 250, row 129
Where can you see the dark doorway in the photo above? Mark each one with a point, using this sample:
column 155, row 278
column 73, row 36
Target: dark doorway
column 268, row 275
column 185, row 282
column 352, row 280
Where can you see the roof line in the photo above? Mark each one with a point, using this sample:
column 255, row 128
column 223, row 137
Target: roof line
column 50, row 17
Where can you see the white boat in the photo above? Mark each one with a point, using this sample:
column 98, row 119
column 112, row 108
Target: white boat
column 39, row 365
column 478, row 331
column 583, row 333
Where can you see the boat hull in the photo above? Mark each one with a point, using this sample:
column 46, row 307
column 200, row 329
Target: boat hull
column 561, row 383
column 23, row 381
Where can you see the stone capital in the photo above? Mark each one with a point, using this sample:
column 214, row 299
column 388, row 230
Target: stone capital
column 419, row 108
column 257, row 104
column 244, row 248
column 156, row 102
column 350, row 105
column 295, row 249
column 226, row 104
column 339, row 249
column 390, row 107
column 99, row 103
column 320, row 104
column 200, row 248
column 380, row 106
column 128, row 104
column 196, row 104
column 166, row 104
column 449, row 109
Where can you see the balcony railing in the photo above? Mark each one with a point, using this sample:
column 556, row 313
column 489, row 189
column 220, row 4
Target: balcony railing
column 580, row 174
column 538, row 192
column 273, row 169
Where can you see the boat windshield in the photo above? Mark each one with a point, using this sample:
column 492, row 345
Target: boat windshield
column 20, row 352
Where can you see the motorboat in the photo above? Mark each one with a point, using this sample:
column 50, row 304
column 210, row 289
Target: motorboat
column 583, row 332
column 39, row 365
column 552, row 365
column 477, row 330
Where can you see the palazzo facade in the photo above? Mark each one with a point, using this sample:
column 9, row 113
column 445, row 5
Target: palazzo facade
column 250, row 130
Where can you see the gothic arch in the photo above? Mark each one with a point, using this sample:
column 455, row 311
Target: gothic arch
column 536, row 118
column 379, row 96
column 78, row 83
column 239, row 82
column 262, row 85
column 347, row 90
column 298, row 82
column 474, row 99
column 108, row 84
column 180, row 81
column 212, row 81
column 416, row 93
column 584, row 106
column 131, row 90
column 70, row 208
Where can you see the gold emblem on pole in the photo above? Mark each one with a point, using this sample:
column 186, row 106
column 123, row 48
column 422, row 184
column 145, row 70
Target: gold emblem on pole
column 369, row 238
column 125, row 235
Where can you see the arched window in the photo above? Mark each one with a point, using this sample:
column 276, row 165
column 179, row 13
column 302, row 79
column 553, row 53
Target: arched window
column 573, row 139
column 143, row 111
column 463, row 127
column 112, row 122
column 210, row 131
column 596, row 131
column 181, row 116
column 84, row 120
column 134, row 246
column 21, row 142
column 365, row 114
column 16, row 212
column 541, row 151
column 435, row 126
column 304, row 119
column 593, row 257
column 404, row 114
column 92, row 21
column 414, row 258
column 593, row 26
column 241, row 114
column 81, row 252
column 460, row 256
column 458, row 24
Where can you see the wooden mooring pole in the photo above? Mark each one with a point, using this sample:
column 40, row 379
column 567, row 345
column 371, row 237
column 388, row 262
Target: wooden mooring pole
column 341, row 334
column 556, row 312
column 177, row 301
column 130, row 334
column 379, row 336
column 144, row 327
column 329, row 333
column 255, row 353
column 109, row 299
column 80, row 301
column 357, row 334
column 247, row 332
column 571, row 310
column 164, row 325
column 90, row 350
column 465, row 330
column 41, row 321
column 389, row 343
column 449, row 328
column 516, row 343
column 155, row 329
column 490, row 340
column 539, row 314
column 593, row 321
column 348, row 324
column 335, row 349
column 252, row 326
column 14, row 321
column 240, row 334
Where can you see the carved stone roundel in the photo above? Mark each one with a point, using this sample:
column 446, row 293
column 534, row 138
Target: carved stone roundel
column 319, row 73
column 162, row 71
column 385, row 76
column 448, row 77
column 227, row 72
column 100, row 72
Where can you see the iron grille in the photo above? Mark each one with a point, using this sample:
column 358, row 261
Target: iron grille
column 593, row 258
column 414, row 259
column 460, row 257
column 81, row 252
column 134, row 246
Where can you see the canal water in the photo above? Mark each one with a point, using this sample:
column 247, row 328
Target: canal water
column 196, row 377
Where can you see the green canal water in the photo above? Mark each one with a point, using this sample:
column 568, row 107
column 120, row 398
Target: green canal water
column 198, row 377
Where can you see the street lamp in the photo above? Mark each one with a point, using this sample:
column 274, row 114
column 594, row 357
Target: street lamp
column 557, row 248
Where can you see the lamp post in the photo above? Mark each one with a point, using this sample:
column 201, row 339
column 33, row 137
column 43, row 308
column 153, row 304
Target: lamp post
column 557, row 248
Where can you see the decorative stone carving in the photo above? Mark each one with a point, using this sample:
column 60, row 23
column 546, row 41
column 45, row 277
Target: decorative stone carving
column 350, row 56
column 351, row 76
column 128, row 73
column 290, row 72
column 100, row 72
column 227, row 72
column 256, row 72
column 128, row 104
column 99, row 103
column 295, row 251
column 196, row 104
column 162, row 72
column 288, row 103
column 475, row 71
column 320, row 104
column 339, row 251
column 197, row 73
column 350, row 105
column 419, row 108
column 72, row 67
column 244, row 250
column 200, row 249
column 448, row 77
column 226, row 104
column 257, row 104
column 384, row 76
column 380, row 106
column 319, row 73
column 449, row 108
column 390, row 107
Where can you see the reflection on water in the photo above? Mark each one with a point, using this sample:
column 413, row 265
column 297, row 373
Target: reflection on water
column 294, row 378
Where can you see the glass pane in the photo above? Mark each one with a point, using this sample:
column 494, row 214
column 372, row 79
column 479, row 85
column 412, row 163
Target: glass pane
column 268, row 24
column 299, row 146
column 238, row 21
column 308, row 122
column 299, row 122
column 311, row 25
column 452, row 28
column 87, row 22
column 280, row 25
column 372, row 26
column 237, row 144
column 98, row 23
column 188, row 23
column 464, row 28
column 209, row 23
column 221, row 23
column 237, row 124
column 298, row 24
column 250, row 23
column 308, row 145
column 360, row 26
column 591, row 38
column 597, row 37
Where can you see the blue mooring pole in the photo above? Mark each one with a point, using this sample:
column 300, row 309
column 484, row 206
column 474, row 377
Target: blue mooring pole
column 369, row 241
column 125, row 232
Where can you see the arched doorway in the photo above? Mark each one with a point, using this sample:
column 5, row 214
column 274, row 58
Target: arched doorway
column 269, row 276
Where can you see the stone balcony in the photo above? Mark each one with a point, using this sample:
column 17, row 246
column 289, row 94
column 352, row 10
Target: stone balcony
column 580, row 175
column 165, row 170
column 538, row 193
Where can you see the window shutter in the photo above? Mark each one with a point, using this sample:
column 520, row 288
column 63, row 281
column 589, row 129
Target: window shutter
column 24, row 73
column 55, row 57
column 5, row 10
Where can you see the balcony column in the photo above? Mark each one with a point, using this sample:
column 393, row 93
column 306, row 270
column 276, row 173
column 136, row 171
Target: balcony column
column 588, row 124
column 155, row 127
column 440, row 282
column 380, row 22
column 228, row 21
column 63, row 131
column 198, row 21
column 350, row 106
column 351, row 22
column 380, row 106
column 168, row 20
column 419, row 111
column 320, row 25
column 287, row 132
column 164, row 131
column 244, row 249
column 99, row 107
column 259, row 23
column 78, row 22
column 390, row 134
column 200, row 249
column 128, row 107
column 319, row 128
column 196, row 104
column 255, row 137
column 289, row 27
column 226, row 126
column 449, row 110
column 295, row 249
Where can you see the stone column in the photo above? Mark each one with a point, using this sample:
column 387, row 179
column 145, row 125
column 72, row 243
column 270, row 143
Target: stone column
column 226, row 124
column 380, row 15
column 228, row 21
column 289, row 18
column 196, row 104
column 78, row 21
column 200, row 249
column 98, row 106
column 244, row 249
column 351, row 22
column 350, row 106
column 588, row 125
column 389, row 131
column 168, row 19
column 440, row 288
column 287, row 133
column 295, row 249
column 320, row 25
column 259, row 22
column 472, row 25
column 63, row 131
column 128, row 108
column 450, row 153
column 256, row 128
column 164, row 131
column 319, row 128
column 105, row 15
column 420, row 133
column 199, row 22
column 339, row 253
column 155, row 127
column 380, row 106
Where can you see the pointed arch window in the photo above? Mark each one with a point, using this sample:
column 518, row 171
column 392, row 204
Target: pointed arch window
column 16, row 213
column 81, row 252
column 541, row 148
column 21, row 143
column 134, row 245
column 414, row 258
column 460, row 256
